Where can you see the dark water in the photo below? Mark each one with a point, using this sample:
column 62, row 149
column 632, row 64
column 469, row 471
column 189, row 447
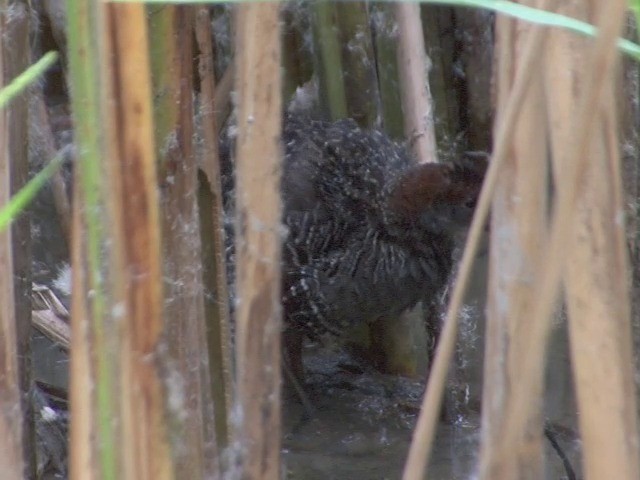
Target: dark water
column 362, row 423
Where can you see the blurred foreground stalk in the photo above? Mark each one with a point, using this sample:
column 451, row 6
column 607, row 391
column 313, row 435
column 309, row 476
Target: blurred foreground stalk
column 597, row 266
column 17, row 440
column 118, row 411
column 519, row 212
column 185, row 363
column 258, row 325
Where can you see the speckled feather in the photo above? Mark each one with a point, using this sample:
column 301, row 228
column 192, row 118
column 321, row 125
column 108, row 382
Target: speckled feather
column 370, row 232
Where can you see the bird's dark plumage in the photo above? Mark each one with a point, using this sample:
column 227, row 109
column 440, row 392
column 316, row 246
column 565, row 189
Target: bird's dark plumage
column 371, row 233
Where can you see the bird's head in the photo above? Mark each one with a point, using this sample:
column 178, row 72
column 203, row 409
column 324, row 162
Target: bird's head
column 437, row 198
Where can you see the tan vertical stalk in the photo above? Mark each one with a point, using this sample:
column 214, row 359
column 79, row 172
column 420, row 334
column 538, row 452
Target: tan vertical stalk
column 93, row 397
column 620, row 431
column 417, row 103
column 597, row 275
column 92, row 393
column 82, row 428
column 11, row 452
column 16, row 418
column 185, row 357
column 118, row 429
column 259, row 238
column 518, row 224
column 136, row 257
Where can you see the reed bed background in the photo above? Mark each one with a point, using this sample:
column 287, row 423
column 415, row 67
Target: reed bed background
column 157, row 387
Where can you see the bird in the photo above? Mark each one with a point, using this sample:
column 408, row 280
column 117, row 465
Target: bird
column 371, row 232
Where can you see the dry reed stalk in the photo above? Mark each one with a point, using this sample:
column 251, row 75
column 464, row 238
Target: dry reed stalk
column 81, row 430
column 259, row 238
column 92, row 452
column 519, row 212
column 420, row 450
column 185, row 355
column 52, row 327
column 599, row 316
column 417, row 103
column 136, row 266
column 15, row 255
column 219, row 345
column 597, row 82
column 11, row 451
column 118, row 403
